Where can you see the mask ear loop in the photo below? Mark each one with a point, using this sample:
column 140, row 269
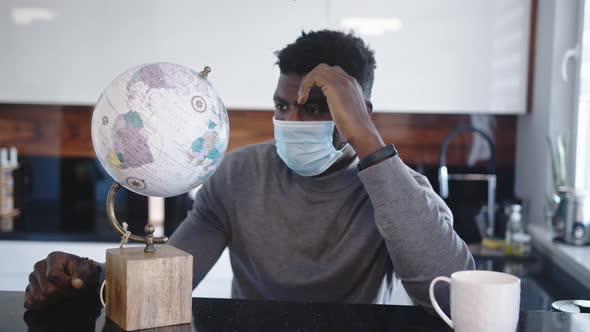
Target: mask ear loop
column 344, row 147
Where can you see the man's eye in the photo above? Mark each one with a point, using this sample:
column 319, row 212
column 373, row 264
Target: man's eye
column 281, row 107
column 313, row 109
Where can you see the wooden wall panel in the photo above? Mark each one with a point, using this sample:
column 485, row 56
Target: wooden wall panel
column 418, row 137
column 48, row 130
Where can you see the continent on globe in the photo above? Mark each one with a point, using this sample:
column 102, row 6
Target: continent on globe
column 204, row 151
column 131, row 147
column 153, row 76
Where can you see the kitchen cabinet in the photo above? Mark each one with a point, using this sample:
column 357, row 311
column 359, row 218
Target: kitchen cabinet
column 452, row 56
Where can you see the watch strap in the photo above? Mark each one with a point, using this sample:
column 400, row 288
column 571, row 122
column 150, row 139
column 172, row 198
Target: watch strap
column 385, row 152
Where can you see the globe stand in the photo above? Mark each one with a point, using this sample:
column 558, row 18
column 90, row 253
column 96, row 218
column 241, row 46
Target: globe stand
column 146, row 288
column 149, row 229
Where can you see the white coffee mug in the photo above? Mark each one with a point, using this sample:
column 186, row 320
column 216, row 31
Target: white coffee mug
column 481, row 301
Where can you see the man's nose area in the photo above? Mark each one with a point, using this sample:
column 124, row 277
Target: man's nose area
column 294, row 114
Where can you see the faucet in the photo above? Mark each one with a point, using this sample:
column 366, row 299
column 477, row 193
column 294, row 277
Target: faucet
column 444, row 176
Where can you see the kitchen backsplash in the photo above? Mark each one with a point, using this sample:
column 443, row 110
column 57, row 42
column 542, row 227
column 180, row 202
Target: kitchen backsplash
column 61, row 188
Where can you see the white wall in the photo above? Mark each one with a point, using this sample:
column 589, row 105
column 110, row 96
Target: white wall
column 446, row 56
column 18, row 258
column 553, row 105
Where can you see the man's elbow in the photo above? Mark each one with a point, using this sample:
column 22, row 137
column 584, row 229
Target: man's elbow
column 465, row 260
column 469, row 262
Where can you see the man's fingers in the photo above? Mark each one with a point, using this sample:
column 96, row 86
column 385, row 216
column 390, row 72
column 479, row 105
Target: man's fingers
column 72, row 269
column 33, row 286
column 38, row 296
column 29, row 302
column 306, row 84
column 48, row 288
column 62, row 269
column 56, row 269
column 85, row 274
column 309, row 81
column 320, row 76
column 40, row 269
column 59, row 276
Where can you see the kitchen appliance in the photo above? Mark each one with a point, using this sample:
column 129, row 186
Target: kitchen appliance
column 571, row 216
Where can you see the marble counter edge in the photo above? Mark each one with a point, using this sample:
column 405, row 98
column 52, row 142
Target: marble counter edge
column 574, row 260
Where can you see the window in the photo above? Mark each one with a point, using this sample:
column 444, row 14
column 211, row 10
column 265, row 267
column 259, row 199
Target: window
column 582, row 173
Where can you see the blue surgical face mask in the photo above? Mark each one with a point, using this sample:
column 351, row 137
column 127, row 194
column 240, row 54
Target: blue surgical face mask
column 306, row 146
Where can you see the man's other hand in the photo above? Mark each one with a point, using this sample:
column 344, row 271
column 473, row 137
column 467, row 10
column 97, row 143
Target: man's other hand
column 59, row 277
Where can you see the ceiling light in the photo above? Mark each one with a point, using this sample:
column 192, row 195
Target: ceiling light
column 25, row 16
column 371, row 26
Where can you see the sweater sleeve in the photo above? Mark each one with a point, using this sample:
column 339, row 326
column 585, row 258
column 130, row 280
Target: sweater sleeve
column 417, row 227
column 203, row 233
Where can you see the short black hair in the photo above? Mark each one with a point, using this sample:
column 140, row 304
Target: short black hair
column 334, row 48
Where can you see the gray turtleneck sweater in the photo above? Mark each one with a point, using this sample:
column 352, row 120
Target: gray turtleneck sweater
column 343, row 237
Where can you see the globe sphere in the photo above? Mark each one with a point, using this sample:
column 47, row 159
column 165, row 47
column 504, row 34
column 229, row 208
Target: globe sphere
column 160, row 129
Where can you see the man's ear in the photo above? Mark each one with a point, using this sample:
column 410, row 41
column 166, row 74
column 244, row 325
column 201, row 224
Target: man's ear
column 369, row 107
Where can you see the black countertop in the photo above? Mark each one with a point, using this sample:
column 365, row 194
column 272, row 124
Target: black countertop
column 248, row 315
column 542, row 282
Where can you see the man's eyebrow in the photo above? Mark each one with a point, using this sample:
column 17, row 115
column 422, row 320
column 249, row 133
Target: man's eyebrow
column 310, row 100
column 280, row 99
column 318, row 99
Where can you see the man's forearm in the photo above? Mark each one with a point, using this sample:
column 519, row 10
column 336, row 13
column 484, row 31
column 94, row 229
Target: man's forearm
column 416, row 226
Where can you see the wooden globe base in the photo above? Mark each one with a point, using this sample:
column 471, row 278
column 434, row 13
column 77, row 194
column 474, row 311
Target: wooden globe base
column 146, row 288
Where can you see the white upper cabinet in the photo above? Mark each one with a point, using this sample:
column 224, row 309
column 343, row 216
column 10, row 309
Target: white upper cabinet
column 433, row 56
column 451, row 56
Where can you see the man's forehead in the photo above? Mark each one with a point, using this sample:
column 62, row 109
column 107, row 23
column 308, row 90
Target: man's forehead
column 290, row 81
column 288, row 87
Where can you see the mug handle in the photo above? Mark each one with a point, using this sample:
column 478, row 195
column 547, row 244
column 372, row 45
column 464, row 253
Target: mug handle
column 435, row 304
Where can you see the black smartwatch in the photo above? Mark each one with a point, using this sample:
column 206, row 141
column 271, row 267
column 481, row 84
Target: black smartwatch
column 377, row 156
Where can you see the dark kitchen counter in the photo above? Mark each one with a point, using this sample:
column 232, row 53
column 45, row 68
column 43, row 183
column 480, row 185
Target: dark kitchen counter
column 542, row 281
column 248, row 315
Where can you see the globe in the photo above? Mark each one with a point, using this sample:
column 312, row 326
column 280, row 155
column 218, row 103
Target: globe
column 160, row 129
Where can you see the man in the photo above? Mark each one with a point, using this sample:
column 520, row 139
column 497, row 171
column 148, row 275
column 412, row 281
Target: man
column 325, row 212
